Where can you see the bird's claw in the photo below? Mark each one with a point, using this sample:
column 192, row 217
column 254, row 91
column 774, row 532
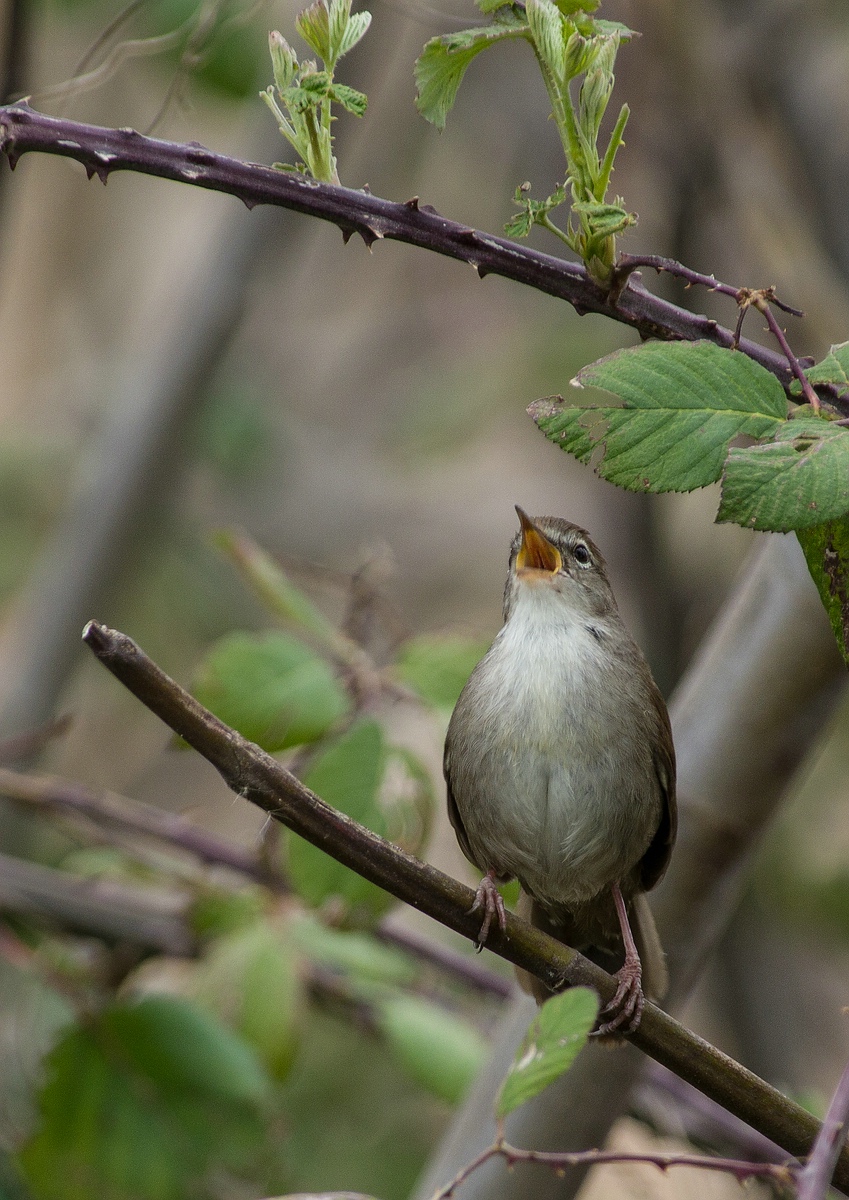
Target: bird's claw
column 488, row 898
column 626, row 1008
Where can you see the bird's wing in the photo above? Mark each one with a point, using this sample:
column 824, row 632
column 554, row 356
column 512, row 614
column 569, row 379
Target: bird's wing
column 454, row 812
column 656, row 858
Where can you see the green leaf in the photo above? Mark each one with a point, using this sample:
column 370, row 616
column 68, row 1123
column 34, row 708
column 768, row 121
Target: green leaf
column 140, row 1101
column 250, row 979
column 605, row 220
column 438, row 665
column 271, row 688
column 681, row 405
column 834, row 368
column 348, row 775
column 520, row 225
column 557, row 1033
column 358, row 954
column 799, row 479
column 826, row 549
column 355, row 102
column 442, row 64
column 440, row 1051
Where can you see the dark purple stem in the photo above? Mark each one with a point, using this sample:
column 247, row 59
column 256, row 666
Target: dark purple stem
column 778, row 333
column 670, row 266
column 102, row 151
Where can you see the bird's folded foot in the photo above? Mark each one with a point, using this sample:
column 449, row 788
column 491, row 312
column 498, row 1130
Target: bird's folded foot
column 488, row 900
column 626, row 1008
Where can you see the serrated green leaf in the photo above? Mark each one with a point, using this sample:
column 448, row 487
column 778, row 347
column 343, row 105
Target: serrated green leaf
column 442, row 64
column 681, row 405
column 348, row 775
column 250, row 979
column 491, row 6
column 438, row 665
column 520, row 225
column 799, row 479
column 440, row 1051
column 834, row 368
column 826, row 550
column 355, row 102
column 556, row 1035
column 358, row 954
column 142, row 1100
column 271, row 688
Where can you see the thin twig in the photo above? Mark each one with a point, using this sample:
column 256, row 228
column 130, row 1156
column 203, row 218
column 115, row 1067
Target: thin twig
column 259, row 778
column 815, row 1176
column 559, row 1161
column 628, row 263
column 762, row 304
column 102, row 151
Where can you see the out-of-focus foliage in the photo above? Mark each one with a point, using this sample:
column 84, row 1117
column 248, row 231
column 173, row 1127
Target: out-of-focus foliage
column 271, row 688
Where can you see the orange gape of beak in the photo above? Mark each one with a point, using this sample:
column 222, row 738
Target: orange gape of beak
column 536, row 552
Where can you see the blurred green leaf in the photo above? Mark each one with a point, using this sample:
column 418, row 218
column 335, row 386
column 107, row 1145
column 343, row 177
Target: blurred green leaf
column 359, row 954
column 33, row 1016
column 271, row 688
column 438, row 665
column 250, row 979
column 798, row 480
column 442, row 64
column 348, row 775
column 826, row 550
column 440, row 1051
column 216, row 912
column 556, row 1035
column 682, row 403
column 140, row 1101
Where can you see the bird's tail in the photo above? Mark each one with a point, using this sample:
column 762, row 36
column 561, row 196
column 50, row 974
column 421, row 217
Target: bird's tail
column 571, row 930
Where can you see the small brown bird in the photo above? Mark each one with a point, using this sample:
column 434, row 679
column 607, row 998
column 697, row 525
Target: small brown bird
column 561, row 769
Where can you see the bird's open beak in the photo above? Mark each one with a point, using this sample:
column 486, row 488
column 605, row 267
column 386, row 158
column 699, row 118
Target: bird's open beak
column 536, row 552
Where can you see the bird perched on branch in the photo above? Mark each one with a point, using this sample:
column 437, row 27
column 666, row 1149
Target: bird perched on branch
column 561, row 769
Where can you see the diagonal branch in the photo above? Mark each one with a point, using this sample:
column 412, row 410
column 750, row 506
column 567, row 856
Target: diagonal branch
column 102, row 151
column 256, row 776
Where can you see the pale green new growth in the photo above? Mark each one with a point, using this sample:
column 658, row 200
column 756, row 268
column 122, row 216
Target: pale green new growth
column 302, row 95
column 568, row 44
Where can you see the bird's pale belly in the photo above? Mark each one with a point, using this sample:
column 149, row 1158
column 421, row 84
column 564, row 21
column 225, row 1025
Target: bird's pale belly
column 540, row 820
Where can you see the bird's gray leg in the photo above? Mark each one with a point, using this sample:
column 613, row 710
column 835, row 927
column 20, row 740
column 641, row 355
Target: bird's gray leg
column 488, row 898
column 626, row 1007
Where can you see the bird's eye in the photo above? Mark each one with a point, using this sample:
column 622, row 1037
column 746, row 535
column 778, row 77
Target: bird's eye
column 582, row 555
